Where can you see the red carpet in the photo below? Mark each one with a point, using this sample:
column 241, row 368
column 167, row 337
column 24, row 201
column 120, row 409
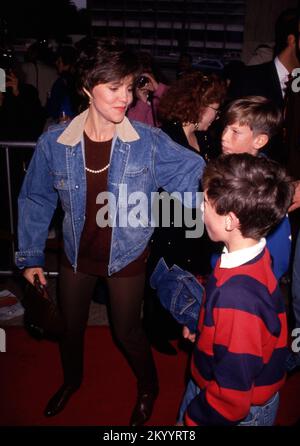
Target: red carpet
column 30, row 373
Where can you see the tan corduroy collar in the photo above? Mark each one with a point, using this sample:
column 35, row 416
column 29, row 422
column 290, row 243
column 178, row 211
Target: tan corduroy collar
column 73, row 133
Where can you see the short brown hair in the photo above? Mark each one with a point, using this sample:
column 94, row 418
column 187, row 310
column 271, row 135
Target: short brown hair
column 256, row 189
column 187, row 96
column 261, row 114
column 105, row 60
column 286, row 24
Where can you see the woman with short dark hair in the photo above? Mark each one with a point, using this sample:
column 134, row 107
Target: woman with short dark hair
column 96, row 165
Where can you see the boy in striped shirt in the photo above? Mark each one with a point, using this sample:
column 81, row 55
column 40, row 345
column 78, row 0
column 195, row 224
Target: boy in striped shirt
column 241, row 345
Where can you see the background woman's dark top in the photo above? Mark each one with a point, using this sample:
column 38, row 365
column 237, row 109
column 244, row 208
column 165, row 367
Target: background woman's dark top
column 191, row 254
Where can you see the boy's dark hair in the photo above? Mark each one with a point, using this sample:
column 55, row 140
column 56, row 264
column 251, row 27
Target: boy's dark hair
column 257, row 190
column 261, row 114
column 105, row 60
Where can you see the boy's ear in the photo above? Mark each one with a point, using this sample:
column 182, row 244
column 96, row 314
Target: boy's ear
column 260, row 141
column 231, row 222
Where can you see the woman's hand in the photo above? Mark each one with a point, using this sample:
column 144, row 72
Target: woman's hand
column 150, row 87
column 188, row 335
column 29, row 274
column 296, row 199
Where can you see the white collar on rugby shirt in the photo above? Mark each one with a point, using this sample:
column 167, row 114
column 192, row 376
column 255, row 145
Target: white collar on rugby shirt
column 241, row 256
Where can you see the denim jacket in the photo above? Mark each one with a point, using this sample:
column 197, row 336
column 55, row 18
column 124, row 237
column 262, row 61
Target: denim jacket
column 142, row 158
column 179, row 292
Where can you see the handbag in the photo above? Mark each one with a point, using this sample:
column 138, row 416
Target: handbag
column 42, row 316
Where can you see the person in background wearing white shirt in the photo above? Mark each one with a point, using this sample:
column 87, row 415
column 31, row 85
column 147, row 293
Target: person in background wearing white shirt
column 269, row 79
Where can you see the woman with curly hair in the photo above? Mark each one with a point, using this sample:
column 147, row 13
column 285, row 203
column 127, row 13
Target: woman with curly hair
column 186, row 111
column 189, row 107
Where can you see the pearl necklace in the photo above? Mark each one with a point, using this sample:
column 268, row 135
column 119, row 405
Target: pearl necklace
column 97, row 171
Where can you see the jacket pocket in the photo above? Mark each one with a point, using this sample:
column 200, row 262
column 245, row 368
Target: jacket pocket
column 64, row 187
column 136, row 179
column 137, row 202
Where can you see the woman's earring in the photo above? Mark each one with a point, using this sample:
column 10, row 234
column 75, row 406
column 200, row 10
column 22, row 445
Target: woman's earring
column 196, row 125
column 88, row 95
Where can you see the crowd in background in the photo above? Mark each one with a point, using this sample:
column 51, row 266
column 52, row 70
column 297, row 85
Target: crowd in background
column 43, row 90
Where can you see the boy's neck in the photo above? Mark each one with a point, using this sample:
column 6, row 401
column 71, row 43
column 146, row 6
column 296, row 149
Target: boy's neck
column 253, row 151
column 237, row 242
column 242, row 255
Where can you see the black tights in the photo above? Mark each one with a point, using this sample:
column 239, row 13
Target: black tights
column 126, row 295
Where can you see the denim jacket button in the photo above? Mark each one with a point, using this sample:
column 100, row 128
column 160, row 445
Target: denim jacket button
column 76, row 186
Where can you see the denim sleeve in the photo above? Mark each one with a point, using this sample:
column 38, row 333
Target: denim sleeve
column 159, row 274
column 36, row 205
column 179, row 293
column 176, row 168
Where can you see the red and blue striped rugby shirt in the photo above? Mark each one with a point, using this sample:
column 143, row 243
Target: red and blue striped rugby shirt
column 240, row 352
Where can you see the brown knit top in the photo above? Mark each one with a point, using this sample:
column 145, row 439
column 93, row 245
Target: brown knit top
column 94, row 249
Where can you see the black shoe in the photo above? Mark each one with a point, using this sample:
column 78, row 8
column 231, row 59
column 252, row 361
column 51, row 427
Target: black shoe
column 59, row 400
column 143, row 408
